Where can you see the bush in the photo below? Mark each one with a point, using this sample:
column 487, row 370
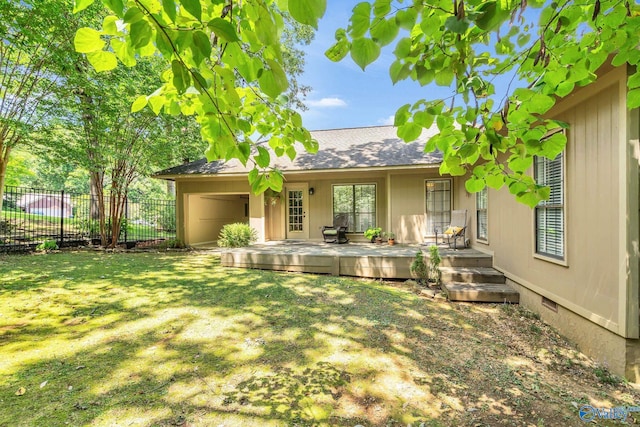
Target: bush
column 420, row 269
column 172, row 244
column 237, row 235
column 435, row 274
column 47, row 245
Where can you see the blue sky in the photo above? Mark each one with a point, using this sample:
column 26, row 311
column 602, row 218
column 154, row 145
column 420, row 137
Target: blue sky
column 343, row 95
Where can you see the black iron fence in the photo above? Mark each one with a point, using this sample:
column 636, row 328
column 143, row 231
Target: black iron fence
column 32, row 216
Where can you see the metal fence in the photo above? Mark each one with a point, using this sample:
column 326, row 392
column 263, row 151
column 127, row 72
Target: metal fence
column 32, row 216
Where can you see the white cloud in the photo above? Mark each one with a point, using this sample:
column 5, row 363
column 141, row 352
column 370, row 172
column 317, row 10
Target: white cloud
column 387, row 121
column 327, row 103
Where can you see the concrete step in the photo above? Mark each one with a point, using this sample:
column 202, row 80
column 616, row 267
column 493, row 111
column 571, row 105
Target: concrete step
column 466, row 260
column 481, row 292
column 471, row 275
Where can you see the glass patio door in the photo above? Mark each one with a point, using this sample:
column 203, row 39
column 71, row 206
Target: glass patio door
column 297, row 208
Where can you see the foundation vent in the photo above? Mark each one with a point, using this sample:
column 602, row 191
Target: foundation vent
column 551, row 305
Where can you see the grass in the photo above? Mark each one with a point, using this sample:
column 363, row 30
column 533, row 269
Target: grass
column 173, row 339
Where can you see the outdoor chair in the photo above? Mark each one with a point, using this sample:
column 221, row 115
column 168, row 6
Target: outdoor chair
column 456, row 229
column 336, row 233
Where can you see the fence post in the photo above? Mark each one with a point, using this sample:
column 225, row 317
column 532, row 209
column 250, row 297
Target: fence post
column 61, row 217
column 126, row 217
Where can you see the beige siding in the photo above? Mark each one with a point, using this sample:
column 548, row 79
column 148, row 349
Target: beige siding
column 590, row 281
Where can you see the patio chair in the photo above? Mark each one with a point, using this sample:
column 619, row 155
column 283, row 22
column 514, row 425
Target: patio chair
column 336, row 233
column 456, row 229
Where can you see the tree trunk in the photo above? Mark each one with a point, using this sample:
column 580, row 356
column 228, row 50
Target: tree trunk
column 4, row 160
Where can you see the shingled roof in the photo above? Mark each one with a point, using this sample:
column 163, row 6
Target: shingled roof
column 354, row 148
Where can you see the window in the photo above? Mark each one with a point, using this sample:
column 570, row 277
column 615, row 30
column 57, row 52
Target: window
column 482, row 200
column 438, row 196
column 359, row 202
column 549, row 214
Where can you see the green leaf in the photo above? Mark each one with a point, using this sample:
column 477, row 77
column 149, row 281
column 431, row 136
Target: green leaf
column 262, row 158
column 490, row 15
column 540, row 103
column 338, row 51
column 307, row 11
column 202, row 43
column 495, row 181
column 224, row 30
column 364, row 52
column 274, row 80
column 79, row 5
column 139, row 104
column 102, row 60
column 117, row 6
column 455, row 25
column 169, row 7
column 88, row 40
column 444, row 77
column 384, row 31
column 409, row 131
column 381, row 8
column 133, row 15
column 360, row 20
column 141, row 34
column 124, row 52
column 402, row 115
column 474, row 185
column 399, row 71
column 633, row 98
column 407, row 18
column 181, row 76
column 520, row 164
column 193, row 7
column 424, row 119
column 109, row 26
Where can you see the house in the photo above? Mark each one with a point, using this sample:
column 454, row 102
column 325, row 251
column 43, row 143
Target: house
column 574, row 260
column 46, row 204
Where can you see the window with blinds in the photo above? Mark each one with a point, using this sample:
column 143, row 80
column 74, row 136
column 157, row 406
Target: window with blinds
column 549, row 214
column 482, row 200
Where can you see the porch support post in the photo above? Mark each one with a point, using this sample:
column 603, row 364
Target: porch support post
column 389, row 202
column 257, row 215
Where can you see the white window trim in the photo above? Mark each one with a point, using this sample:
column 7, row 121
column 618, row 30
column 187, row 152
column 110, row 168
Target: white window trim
column 337, row 184
column 478, row 239
column 564, row 261
column 429, row 233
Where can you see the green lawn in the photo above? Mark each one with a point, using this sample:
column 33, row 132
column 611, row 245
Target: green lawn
column 173, row 339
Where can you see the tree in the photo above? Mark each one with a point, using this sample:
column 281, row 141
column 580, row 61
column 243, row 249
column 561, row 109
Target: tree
column 468, row 46
column 31, row 33
column 227, row 68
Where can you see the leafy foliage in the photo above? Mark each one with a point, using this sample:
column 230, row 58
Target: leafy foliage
column 225, row 65
column 237, row 235
column 434, row 264
column 477, row 48
column 47, row 245
column 172, row 244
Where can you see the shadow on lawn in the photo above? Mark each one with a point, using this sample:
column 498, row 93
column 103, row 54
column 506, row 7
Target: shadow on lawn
column 152, row 339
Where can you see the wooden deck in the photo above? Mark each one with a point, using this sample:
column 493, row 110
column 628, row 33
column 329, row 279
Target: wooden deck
column 460, row 267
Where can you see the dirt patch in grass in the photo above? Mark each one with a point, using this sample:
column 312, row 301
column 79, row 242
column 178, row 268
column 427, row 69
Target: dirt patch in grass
column 173, row 339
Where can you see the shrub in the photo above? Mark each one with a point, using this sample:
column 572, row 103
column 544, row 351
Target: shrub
column 427, row 272
column 172, row 244
column 237, row 235
column 420, row 269
column 435, row 274
column 47, row 245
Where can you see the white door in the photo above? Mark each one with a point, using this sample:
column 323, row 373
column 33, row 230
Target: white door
column 297, row 208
